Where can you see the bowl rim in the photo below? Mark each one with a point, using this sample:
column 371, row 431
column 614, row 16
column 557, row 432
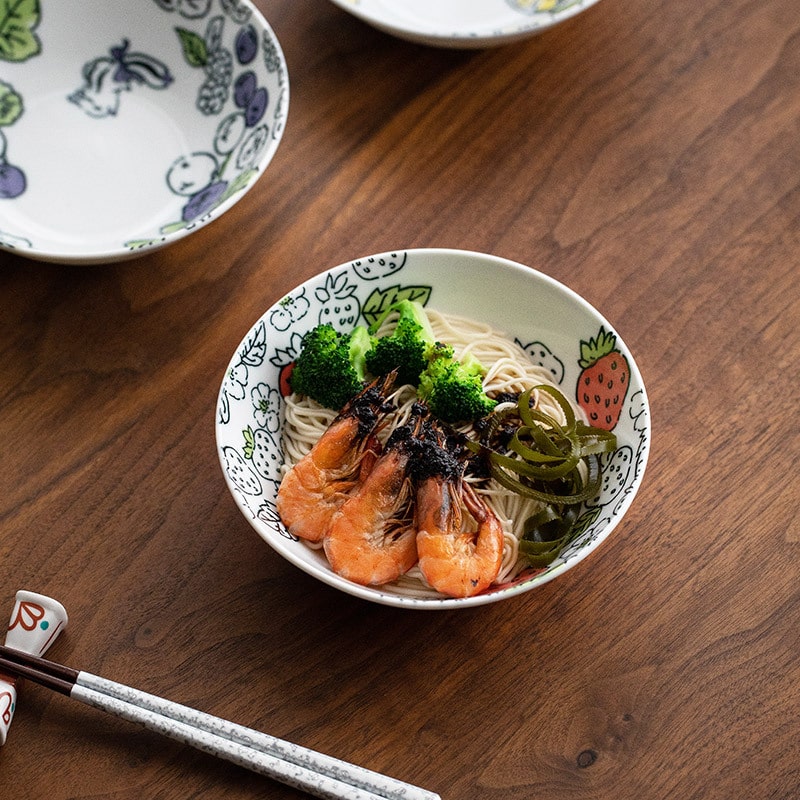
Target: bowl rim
column 486, row 36
column 374, row 593
column 89, row 257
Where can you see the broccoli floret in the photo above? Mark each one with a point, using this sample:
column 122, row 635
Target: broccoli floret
column 406, row 348
column 330, row 367
column 453, row 389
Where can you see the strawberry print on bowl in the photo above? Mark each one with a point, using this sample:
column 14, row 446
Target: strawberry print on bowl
column 604, row 379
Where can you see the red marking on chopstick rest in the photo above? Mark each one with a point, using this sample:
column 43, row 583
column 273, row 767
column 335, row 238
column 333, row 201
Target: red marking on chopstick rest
column 8, row 700
column 28, row 616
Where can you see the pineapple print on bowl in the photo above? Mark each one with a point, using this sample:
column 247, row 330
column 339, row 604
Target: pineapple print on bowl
column 125, row 127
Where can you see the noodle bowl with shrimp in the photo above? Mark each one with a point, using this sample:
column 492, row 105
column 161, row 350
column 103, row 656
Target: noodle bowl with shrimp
column 262, row 429
column 509, row 372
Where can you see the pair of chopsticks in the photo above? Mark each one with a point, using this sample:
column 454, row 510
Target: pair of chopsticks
column 304, row 769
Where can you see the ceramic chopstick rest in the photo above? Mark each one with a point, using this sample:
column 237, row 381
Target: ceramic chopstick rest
column 35, row 624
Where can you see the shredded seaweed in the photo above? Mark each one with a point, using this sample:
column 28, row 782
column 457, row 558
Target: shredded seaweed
column 529, row 452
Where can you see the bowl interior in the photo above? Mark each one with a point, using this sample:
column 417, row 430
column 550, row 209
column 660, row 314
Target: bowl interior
column 464, row 23
column 125, row 126
column 550, row 321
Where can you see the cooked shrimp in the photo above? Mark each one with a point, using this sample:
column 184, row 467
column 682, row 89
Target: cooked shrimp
column 317, row 485
column 455, row 561
column 371, row 539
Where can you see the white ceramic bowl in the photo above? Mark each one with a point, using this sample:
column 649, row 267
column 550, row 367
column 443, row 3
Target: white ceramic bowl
column 547, row 318
column 464, row 23
column 126, row 126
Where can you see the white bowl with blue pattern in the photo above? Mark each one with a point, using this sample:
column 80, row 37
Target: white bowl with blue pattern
column 552, row 323
column 126, row 126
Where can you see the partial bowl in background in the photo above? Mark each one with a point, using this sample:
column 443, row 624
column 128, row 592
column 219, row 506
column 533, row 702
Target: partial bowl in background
column 126, row 126
column 551, row 322
column 464, row 23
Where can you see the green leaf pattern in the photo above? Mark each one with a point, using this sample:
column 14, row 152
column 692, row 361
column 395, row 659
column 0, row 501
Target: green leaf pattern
column 10, row 104
column 18, row 20
column 380, row 299
column 194, row 48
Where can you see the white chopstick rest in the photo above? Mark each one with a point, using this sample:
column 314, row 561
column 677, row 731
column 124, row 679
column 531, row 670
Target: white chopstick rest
column 8, row 702
column 35, row 624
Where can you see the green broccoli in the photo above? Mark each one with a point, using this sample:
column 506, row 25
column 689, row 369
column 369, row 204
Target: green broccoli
column 330, row 367
column 453, row 389
column 406, row 348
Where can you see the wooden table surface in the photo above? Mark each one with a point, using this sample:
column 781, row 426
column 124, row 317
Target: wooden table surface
column 647, row 154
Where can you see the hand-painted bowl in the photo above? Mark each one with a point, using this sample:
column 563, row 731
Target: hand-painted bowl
column 464, row 23
column 126, row 126
column 553, row 324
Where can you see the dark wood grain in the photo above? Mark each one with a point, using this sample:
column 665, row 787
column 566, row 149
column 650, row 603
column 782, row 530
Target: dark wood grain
column 646, row 154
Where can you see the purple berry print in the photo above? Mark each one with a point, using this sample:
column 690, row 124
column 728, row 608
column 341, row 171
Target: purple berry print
column 204, row 200
column 256, row 108
column 244, row 89
column 12, row 181
column 246, row 44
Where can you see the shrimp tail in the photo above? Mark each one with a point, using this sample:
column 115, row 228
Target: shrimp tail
column 454, row 560
column 371, row 540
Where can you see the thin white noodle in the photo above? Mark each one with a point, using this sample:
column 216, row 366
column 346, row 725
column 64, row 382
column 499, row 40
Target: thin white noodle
column 509, row 369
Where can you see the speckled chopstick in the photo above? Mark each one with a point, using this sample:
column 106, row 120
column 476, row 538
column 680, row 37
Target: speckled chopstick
column 315, row 773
